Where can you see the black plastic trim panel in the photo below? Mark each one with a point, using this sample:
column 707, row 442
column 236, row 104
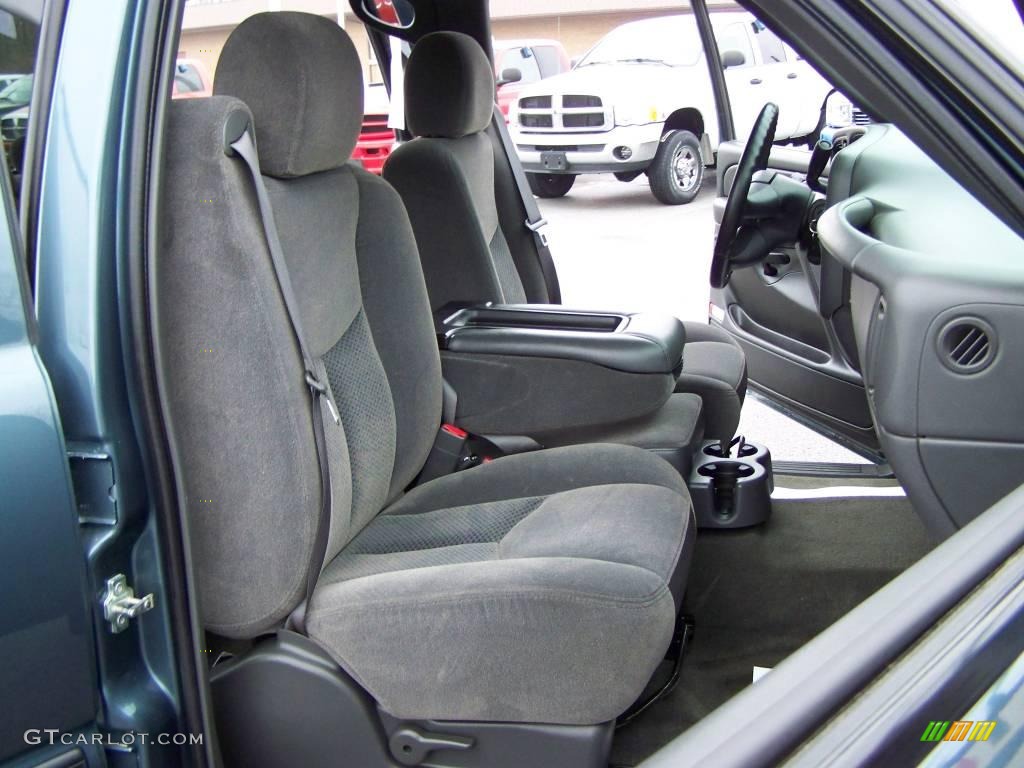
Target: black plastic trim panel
column 633, row 343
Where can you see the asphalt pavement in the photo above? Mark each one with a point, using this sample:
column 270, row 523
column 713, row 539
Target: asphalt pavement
column 616, row 247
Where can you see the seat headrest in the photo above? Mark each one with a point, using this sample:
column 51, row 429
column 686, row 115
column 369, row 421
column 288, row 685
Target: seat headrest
column 300, row 75
column 449, row 86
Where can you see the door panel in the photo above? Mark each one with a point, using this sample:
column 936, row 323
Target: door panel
column 48, row 677
column 781, row 81
column 49, row 690
column 812, row 90
column 746, row 82
column 795, row 356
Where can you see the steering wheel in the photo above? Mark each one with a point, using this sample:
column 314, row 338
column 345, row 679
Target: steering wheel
column 754, row 159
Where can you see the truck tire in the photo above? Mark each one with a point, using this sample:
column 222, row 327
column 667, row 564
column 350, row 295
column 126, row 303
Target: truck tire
column 677, row 171
column 550, row 184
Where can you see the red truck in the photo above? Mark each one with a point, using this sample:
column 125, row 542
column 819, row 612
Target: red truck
column 375, row 137
column 518, row 63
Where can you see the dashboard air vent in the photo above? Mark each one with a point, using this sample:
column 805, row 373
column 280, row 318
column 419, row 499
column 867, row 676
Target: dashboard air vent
column 967, row 345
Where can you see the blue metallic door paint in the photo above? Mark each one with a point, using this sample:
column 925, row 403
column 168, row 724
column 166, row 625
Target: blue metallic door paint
column 47, row 655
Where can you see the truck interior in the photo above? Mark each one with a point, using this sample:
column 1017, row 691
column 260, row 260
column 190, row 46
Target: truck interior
column 436, row 518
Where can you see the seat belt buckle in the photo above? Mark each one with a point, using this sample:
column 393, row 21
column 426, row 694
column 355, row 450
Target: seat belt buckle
column 537, row 227
column 446, row 455
column 457, row 432
column 454, row 450
column 456, row 443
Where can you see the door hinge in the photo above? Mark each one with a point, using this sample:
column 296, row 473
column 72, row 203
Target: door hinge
column 120, row 605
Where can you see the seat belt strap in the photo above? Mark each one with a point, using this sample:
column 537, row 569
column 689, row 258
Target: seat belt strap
column 535, row 222
column 315, row 373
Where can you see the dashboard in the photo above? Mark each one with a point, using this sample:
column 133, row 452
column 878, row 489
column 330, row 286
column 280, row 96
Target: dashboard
column 935, row 286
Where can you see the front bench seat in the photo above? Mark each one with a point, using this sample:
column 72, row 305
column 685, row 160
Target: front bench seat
column 447, row 178
column 539, row 588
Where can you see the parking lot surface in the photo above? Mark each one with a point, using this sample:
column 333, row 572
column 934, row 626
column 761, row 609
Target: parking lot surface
column 616, row 247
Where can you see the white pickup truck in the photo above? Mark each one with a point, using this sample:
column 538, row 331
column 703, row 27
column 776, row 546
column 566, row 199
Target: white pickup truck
column 641, row 101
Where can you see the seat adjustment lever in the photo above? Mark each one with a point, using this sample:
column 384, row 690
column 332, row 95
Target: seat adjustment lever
column 411, row 747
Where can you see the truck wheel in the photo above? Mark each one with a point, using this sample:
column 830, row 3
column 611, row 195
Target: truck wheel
column 550, row 184
column 677, row 170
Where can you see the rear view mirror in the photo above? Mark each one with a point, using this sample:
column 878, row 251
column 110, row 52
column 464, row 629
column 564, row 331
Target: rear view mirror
column 392, row 13
column 733, row 59
column 510, row 75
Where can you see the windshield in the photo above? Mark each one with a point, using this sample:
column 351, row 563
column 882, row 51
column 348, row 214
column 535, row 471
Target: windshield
column 20, row 90
column 669, row 41
column 999, row 21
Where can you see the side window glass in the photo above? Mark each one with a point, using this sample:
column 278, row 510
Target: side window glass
column 19, row 38
column 772, row 49
column 187, row 79
column 191, row 80
column 373, row 73
column 732, row 39
column 523, row 60
column 548, row 59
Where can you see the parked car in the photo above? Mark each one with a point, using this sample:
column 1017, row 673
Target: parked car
column 17, row 94
column 14, row 124
column 376, row 137
column 7, row 79
column 519, row 63
column 640, row 101
column 191, row 80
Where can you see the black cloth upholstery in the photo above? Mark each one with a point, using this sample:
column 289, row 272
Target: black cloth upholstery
column 463, row 185
column 715, row 368
column 300, row 76
column 540, row 588
column 449, row 87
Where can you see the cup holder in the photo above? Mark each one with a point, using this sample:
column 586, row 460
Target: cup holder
column 746, row 451
column 726, row 469
column 732, row 491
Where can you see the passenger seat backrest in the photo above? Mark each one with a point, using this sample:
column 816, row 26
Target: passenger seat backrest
column 235, row 393
column 446, row 176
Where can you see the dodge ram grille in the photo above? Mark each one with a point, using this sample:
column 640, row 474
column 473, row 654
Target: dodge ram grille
column 561, row 114
column 575, row 101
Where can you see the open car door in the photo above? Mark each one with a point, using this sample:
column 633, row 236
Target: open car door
column 791, row 314
column 48, row 685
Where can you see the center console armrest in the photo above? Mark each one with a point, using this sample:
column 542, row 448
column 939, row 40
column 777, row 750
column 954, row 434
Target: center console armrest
column 633, row 343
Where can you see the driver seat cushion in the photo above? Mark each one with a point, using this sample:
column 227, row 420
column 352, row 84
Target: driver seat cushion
column 540, row 587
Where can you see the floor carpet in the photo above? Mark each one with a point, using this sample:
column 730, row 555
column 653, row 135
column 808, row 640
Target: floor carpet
column 759, row 594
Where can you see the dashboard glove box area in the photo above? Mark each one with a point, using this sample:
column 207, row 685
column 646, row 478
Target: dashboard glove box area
column 539, row 370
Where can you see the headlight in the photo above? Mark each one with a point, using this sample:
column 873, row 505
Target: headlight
column 637, row 114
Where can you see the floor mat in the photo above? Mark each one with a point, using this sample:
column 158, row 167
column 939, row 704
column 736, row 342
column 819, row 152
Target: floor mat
column 758, row 595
